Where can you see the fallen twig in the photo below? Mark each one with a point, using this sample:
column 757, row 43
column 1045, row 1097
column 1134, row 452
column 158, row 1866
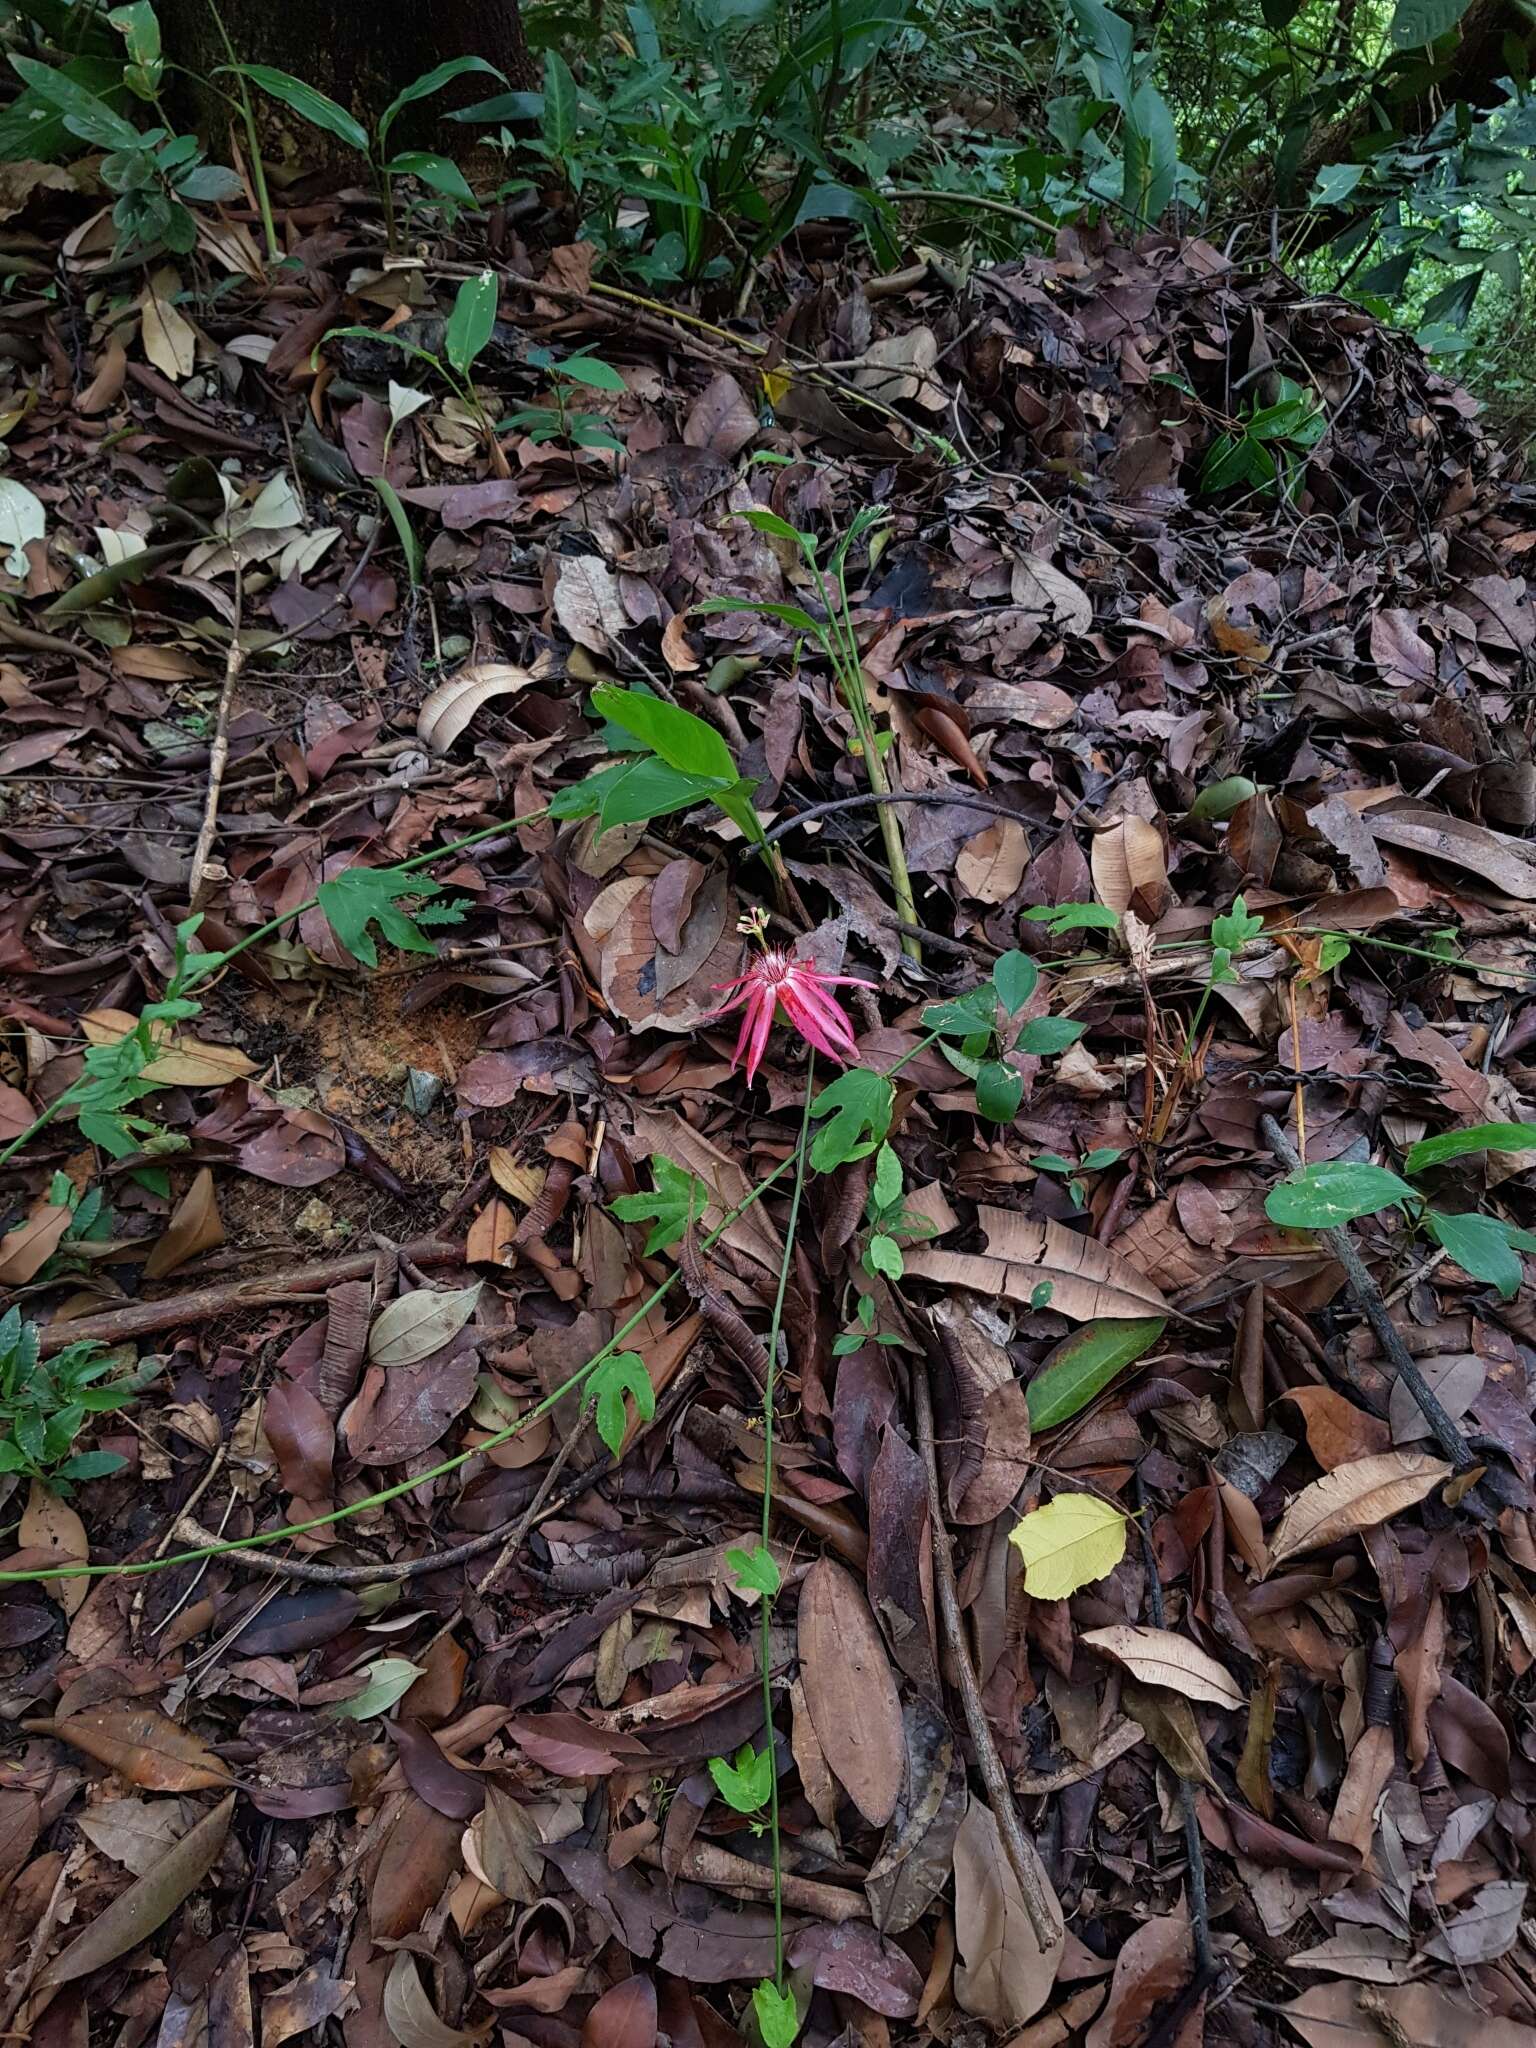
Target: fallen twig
column 199, row 873
column 1025, row 1865
column 178, row 1311
column 1368, row 1299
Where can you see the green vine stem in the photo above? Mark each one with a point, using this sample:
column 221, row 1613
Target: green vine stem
column 578, row 1378
column 765, row 1628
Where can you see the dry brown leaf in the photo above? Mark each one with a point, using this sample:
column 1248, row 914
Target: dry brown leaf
column 135, row 1832
column 1357, row 1495
column 1504, row 862
column 1455, row 1377
column 25, row 1250
column 752, row 1233
column 1001, row 1973
column 195, row 1226
column 1338, row 1432
column 147, row 1904
column 183, row 1062
column 170, row 339
column 417, row 1324
column 1088, row 1280
column 991, row 866
column 48, row 1523
column 1130, row 869
column 854, row 1705
column 1039, row 586
column 409, row 2013
column 1369, row 1954
column 490, row 1238
column 1150, row 1970
column 446, row 711
column 145, row 1747
column 1159, row 1657
column 588, row 604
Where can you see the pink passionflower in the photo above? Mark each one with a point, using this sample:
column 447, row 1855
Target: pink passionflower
column 776, row 980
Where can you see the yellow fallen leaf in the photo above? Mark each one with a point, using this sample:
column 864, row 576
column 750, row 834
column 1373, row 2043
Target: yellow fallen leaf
column 169, row 338
column 1068, row 1544
column 184, row 1062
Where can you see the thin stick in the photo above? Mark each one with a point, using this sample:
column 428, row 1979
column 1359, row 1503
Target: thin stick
column 200, row 874
column 177, row 1311
column 960, row 799
column 1025, row 1865
column 1367, row 1298
column 1199, row 1898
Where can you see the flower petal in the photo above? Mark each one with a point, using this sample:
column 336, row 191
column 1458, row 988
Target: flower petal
column 763, row 1024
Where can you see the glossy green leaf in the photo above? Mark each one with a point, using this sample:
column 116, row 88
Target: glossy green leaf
column 1083, row 1365
column 858, row 1106
column 755, row 1570
column 1015, row 977
column 431, row 82
column 308, row 104
column 1045, row 1036
column 1073, row 917
column 560, row 105
column 1416, row 22
column 471, row 322
column 746, row 1786
column 1483, row 1246
column 678, row 1198
column 84, row 114
column 651, row 788
column 623, row 1373
column 684, row 741
column 405, row 533
column 1463, row 1144
column 389, row 1680
column 1333, row 1192
column 591, row 371
column 440, row 172
column 999, row 1091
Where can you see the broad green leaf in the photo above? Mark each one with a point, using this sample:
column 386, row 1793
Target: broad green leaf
column 1044, row 1036
column 1221, row 799
column 1232, row 931
column 1073, row 917
column 684, row 741
column 84, row 114
column 787, row 614
column 887, row 1183
column 440, row 172
column 1015, row 977
column 560, row 106
column 678, row 1198
column 755, row 1570
column 964, row 1015
column 1483, row 1246
column 591, row 371
column 389, row 1680
column 1082, row 1366
column 471, row 321
column 433, row 81
column 308, row 104
column 622, row 1374
column 1462, row 1144
column 1416, row 22
column 747, row 1785
column 999, row 1091
column 1333, row 1192
column 761, row 520
column 652, row 789
column 777, row 2019
column 859, row 1105
column 884, row 1256
column 1066, row 1545
column 359, row 897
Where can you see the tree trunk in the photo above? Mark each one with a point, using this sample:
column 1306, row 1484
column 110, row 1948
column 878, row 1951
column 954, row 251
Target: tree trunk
column 360, row 57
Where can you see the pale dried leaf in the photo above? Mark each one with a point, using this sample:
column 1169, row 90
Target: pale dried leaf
column 1357, row 1495
column 419, row 1323
column 1157, row 1656
column 1001, row 1973
column 447, row 711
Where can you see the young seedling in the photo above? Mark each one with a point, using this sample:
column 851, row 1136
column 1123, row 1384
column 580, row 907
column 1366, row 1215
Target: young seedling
column 1338, row 1191
column 976, row 1045
column 746, row 1786
column 44, row 1404
column 559, row 420
column 469, row 327
column 1229, row 934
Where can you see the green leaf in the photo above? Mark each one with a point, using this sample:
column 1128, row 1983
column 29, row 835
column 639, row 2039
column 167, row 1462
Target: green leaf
column 622, row 1374
column 471, row 321
column 999, row 1091
column 415, row 561
column 755, row 1570
column 1333, row 1192
column 1015, row 977
column 684, row 741
column 1046, row 1035
column 359, row 897
column 1073, row 917
column 1082, row 1366
column 787, row 614
column 92, row 1465
column 777, row 2020
column 433, row 81
column 884, row 1256
column 560, row 106
column 308, row 104
column 963, row 1015
column 442, row 174
column 591, row 371
column 389, row 1680
column 1416, row 22
column 1461, row 1144
column 860, row 1106
column 84, row 114
column 747, row 1785
column 1221, row 799
column 887, row 1184
column 1067, row 1544
column 1333, row 952
column 1483, row 1246
column 1232, row 931
column 678, row 1198
column 652, row 789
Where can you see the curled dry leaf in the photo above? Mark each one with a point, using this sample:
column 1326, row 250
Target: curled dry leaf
column 48, row 1523
column 412, row 1328
column 148, row 1902
column 410, row 2015
column 195, row 1226
column 1353, row 1496
column 447, row 711
column 25, row 1250
column 1130, row 868
column 854, row 1706
column 1159, row 1657
column 991, row 866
